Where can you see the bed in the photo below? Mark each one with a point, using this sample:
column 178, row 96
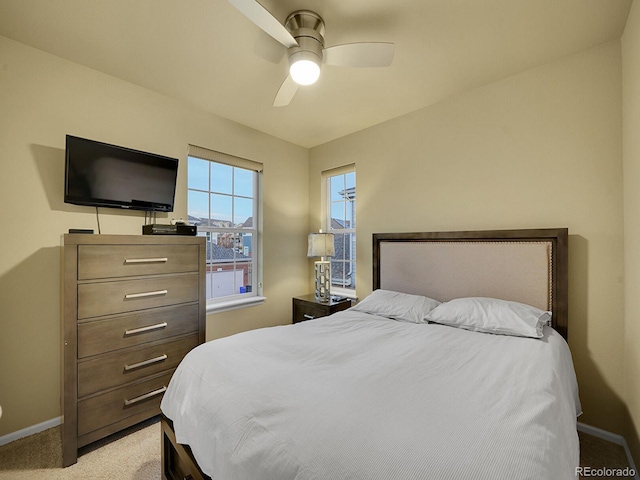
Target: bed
column 396, row 387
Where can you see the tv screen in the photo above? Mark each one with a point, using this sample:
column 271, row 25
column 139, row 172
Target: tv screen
column 103, row 175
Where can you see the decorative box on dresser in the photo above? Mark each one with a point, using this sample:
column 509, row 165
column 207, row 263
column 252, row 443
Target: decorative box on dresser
column 132, row 307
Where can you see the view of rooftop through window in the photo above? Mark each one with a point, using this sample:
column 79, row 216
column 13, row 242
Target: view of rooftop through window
column 222, row 201
column 342, row 215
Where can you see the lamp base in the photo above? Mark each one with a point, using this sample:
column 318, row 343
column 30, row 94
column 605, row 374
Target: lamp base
column 323, row 281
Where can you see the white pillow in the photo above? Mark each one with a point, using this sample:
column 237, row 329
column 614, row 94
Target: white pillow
column 490, row 315
column 396, row 305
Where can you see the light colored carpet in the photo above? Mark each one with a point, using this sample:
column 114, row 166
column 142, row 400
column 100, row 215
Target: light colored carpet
column 597, row 453
column 131, row 454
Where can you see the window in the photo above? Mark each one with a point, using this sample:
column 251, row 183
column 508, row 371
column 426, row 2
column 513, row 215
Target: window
column 341, row 221
column 223, row 201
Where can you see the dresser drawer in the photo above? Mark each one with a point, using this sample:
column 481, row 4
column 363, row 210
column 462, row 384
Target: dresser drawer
column 131, row 365
column 105, row 335
column 109, row 261
column 305, row 311
column 102, row 410
column 105, row 298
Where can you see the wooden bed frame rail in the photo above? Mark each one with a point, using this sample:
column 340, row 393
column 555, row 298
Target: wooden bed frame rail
column 178, row 462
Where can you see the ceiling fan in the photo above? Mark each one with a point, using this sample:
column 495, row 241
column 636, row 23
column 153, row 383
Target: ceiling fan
column 303, row 35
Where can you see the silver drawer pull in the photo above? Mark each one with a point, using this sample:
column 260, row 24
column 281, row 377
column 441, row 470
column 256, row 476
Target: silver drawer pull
column 146, row 260
column 161, row 358
column 148, row 328
column 308, row 317
column 146, row 294
column 145, row 396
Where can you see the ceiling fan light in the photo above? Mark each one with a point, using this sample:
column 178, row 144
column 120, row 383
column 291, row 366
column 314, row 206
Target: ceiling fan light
column 304, row 72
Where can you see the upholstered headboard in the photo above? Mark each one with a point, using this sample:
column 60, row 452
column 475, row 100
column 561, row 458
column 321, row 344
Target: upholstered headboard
column 527, row 266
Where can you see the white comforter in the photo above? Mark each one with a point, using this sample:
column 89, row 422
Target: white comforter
column 356, row 396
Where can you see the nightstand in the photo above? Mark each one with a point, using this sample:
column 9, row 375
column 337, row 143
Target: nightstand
column 305, row 307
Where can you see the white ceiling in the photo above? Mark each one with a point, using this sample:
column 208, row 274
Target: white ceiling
column 207, row 54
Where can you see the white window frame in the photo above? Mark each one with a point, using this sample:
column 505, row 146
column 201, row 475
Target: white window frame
column 327, row 224
column 236, row 300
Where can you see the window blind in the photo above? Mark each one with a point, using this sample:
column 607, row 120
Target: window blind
column 339, row 170
column 206, row 154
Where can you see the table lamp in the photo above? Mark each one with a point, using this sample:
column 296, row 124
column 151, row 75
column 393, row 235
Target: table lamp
column 321, row 245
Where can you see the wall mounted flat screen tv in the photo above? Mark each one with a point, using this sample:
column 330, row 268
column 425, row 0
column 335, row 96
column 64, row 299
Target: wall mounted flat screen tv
column 102, row 175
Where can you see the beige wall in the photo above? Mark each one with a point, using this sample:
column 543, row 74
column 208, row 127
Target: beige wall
column 631, row 168
column 42, row 98
column 539, row 149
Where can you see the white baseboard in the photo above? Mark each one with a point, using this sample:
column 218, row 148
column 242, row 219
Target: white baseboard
column 25, row 432
column 610, row 437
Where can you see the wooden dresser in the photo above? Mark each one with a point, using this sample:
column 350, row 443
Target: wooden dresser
column 132, row 307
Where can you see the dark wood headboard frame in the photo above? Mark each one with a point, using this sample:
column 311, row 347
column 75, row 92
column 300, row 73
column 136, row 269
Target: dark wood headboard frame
column 557, row 237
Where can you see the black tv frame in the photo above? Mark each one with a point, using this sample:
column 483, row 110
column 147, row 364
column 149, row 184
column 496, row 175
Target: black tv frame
column 121, row 153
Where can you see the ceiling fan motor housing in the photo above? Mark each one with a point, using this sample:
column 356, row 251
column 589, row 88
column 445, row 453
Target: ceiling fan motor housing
column 307, row 28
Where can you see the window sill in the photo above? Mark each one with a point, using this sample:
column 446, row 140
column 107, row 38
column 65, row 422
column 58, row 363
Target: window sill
column 344, row 292
column 225, row 306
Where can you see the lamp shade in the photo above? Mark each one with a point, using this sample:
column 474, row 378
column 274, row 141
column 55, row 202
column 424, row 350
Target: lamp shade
column 321, row 245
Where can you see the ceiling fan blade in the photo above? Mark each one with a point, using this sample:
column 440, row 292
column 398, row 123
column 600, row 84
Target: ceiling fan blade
column 285, row 94
column 360, row 55
column 263, row 19
column 268, row 49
